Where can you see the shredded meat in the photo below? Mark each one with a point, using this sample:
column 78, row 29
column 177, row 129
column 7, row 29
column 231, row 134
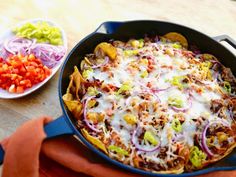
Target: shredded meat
column 232, row 107
column 155, row 166
column 228, row 75
column 162, row 153
column 216, row 105
column 175, row 163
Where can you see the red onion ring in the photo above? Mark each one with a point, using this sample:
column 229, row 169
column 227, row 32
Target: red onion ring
column 149, row 91
column 16, row 44
column 161, row 89
column 140, row 148
column 127, row 101
column 215, row 62
column 85, row 114
column 144, row 86
column 48, row 54
column 220, row 78
column 203, row 137
column 231, row 114
column 157, row 98
column 3, row 52
column 204, row 145
column 102, row 64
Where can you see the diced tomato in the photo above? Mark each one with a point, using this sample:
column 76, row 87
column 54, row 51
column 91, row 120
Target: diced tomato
column 19, row 72
column 19, row 89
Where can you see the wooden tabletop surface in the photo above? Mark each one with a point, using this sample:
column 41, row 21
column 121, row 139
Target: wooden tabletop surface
column 79, row 18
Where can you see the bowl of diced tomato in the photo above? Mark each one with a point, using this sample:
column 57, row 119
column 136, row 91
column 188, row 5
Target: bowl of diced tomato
column 30, row 54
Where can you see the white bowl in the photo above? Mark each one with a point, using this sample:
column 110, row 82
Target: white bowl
column 8, row 34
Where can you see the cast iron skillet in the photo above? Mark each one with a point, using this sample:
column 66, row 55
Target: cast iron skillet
column 124, row 31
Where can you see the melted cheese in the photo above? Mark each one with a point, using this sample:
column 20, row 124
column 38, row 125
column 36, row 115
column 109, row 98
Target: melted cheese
column 150, row 107
column 189, row 129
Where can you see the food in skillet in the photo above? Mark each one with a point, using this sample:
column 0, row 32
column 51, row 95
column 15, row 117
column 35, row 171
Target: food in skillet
column 153, row 104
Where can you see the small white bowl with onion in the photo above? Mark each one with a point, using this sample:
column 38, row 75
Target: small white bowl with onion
column 50, row 55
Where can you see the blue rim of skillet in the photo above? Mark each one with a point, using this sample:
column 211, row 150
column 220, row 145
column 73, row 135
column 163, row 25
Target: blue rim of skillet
column 110, row 27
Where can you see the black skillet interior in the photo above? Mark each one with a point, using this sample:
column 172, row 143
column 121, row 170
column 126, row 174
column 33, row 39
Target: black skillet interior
column 137, row 29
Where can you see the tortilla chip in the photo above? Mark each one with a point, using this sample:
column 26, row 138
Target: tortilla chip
column 105, row 48
column 229, row 150
column 176, row 37
column 74, row 106
column 77, row 79
column 94, row 141
column 177, row 171
column 69, row 87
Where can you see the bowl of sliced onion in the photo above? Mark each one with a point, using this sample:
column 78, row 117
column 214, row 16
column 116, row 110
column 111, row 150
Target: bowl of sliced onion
column 30, row 55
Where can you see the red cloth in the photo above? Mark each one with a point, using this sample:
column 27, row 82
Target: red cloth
column 28, row 155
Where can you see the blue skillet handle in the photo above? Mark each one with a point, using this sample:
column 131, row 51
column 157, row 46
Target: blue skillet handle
column 1, row 155
column 58, row 127
column 108, row 27
column 53, row 129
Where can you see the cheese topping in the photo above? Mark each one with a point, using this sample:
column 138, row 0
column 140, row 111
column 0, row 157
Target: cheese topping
column 156, row 99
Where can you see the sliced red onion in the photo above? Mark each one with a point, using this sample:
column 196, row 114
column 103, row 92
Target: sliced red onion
column 144, row 86
column 16, row 44
column 49, row 54
column 127, row 101
column 157, row 97
column 205, row 82
column 215, row 62
column 183, row 109
column 161, row 89
column 204, row 145
column 215, row 76
column 102, row 64
column 203, row 137
column 179, row 137
column 220, row 78
column 137, row 146
column 149, row 91
column 157, row 39
column 3, row 52
column 89, row 124
column 231, row 114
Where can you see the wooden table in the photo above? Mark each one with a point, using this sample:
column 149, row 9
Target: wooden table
column 79, row 18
